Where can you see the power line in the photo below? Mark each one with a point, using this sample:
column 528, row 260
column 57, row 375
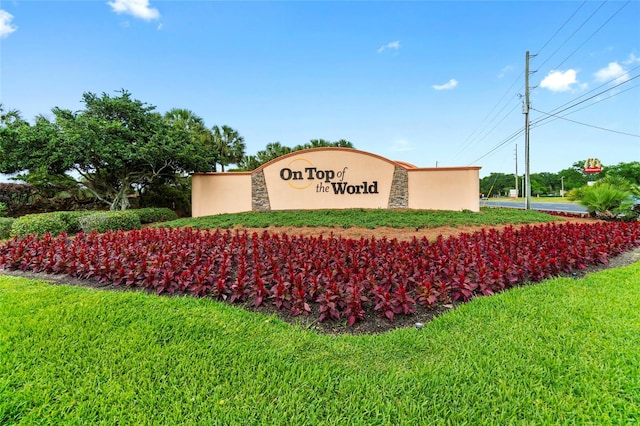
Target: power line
column 603, row 99
column 500, row 145
column 598, row 87
column 594, row 33
column 555, row 113
column 488, row 132
column 475, row 135
column 563, row 25
column 589, row 98
column 585, row 124
column 481, row 132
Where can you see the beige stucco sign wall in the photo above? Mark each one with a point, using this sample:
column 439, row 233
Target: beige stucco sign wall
column 335, row 178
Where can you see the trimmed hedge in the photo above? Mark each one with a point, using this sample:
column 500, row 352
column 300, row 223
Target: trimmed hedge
column 72, row 222
column 5, row 227
column 155, row 214
column 54, row 223
column 124, row 220
column 39, row 224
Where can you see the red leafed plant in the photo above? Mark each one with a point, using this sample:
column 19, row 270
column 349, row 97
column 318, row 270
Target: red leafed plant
column 258, row 292
column 335, row 276
column 354, row 310
column 427, row 295
column 299, row 305
column 401, row 301
column 330, row 302
column 383, row 304
column 280, row 293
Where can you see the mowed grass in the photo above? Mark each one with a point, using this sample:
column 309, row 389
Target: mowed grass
column 366, row 218
column 562, row 352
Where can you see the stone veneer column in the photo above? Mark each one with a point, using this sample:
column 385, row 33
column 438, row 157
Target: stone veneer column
column 399, row 194
column 259, row 195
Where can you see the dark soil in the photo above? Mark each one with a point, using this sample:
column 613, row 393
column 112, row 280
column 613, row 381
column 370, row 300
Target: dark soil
column 373, row 322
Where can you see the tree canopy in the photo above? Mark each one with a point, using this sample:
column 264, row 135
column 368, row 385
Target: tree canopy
column 115, row 144
column 552, row 183
column 629, row 171
column 276, row 149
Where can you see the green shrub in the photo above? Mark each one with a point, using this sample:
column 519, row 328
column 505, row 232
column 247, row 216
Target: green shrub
column 610, row 198
column 39, row 223
column 602, row 200
column 5, row 227
column 112, row 220
column 3, row 209
column 155, row 214
column 72, row 219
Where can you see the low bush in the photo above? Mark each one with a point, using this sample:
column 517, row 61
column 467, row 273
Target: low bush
column 110, row 221
column 5, row 227
column 38, row 224
column 72, row 219
column 54, row 223
column 611, row 198
column 72, row 222
column 155, row 214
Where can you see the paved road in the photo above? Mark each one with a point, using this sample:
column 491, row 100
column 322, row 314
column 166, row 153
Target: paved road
column 546, row 205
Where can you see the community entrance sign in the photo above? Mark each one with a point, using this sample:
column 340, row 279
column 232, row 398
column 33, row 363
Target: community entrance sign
column 335, row 178
column 326, row 180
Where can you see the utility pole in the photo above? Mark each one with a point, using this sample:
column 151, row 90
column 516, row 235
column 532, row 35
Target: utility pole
column 516, row 170
column 525, row 111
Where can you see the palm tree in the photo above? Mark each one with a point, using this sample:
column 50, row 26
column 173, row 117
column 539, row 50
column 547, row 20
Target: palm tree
column 322, row 143
column 248, row 163
column 188, row 121
column 343, row 143
column 271, row 151
column 7, row 118
column 229, row 145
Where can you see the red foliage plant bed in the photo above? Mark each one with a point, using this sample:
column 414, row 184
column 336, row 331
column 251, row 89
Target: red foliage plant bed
column 565, row 214
column 338, row 278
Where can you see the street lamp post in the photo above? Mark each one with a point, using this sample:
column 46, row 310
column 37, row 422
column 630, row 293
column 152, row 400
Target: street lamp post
column 562, row 186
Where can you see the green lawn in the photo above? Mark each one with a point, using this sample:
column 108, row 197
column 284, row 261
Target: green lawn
column 561, row 352
column 366, row 218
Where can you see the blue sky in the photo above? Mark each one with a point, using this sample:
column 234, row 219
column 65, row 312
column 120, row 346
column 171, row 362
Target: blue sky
column 430, row 83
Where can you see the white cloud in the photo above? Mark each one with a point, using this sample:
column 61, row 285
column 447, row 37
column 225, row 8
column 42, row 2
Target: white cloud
column 447, row 86
column 559, row 81
column 5, row 23
column 504, row 71
column 632, row 59
column 395, row 45
column 613, row 71
column 137, row 8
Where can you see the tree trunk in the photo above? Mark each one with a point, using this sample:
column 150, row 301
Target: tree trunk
column 121, row 201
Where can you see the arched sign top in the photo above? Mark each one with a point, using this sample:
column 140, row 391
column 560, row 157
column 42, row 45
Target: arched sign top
column 592, row 165
column 333, row 149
